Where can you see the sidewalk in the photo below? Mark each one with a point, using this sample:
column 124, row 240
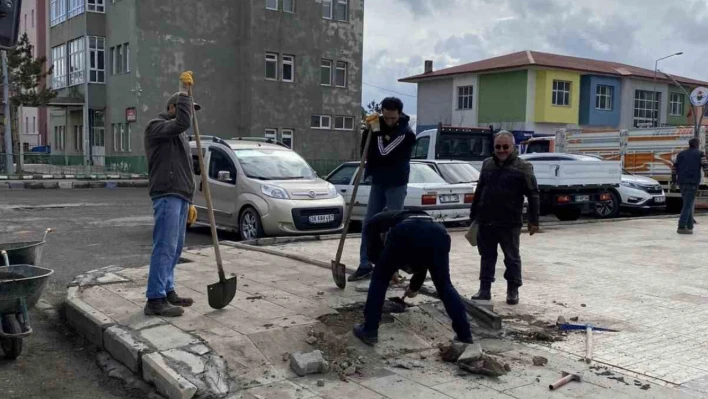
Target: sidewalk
column 71, row 183
column 242, row 351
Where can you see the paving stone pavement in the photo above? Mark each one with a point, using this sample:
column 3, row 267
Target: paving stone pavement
column 627, row 280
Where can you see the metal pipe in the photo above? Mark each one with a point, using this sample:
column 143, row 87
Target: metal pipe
column 8, row 121
column 655, row 123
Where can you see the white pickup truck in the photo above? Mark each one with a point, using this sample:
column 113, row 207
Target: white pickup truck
column 569, row 188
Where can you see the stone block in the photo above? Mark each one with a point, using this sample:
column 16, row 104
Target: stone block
column 87, row 321
column 167, row 381
column 124, row 346
column 308, row 363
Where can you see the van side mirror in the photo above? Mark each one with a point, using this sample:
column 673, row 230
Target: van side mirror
column 224, row 176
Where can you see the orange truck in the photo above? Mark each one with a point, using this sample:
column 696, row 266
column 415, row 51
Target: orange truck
column 642, row 151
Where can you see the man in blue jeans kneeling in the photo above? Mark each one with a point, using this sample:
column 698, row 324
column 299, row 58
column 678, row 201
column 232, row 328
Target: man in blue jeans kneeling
column 388, row 164
column 171, row 186
column 411, row 241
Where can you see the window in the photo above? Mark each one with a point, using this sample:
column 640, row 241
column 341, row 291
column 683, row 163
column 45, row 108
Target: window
column 561, row 93
column 125, row 137
column 341, row 10
column 26, row 124
column 97, row 59
column 326, row 72
column 287, row 137
column 272, row 4
column 343, row 123
column 33, row 18
column 59, row 137
column 289, row 5
column 340, row 76
column 76, row 7
column 271, row 67
column 271, row 134
column 343, row 176
column 59, row 63
column 420, row 151
column 676, row 104
column 34, row 124
column 79, row 137
column 97, row 122
column 219, row 161
column 464, row 97
column 327, row 9
column 76, row 61
column 120, row 56
column 25, row 22
column 116, row 136
column 321, row 122
column 603, row 97
column 288, row 68
column 646, row 108
column 96, row 5
column 57, row 9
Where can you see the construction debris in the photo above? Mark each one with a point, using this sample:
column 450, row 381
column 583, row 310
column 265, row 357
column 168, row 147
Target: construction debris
column 320, row 383
column 311, row 340
column 561, row 320
column 472, row 352
column 308, row 363
column 486, row 365
column 539, row 361
column 452, row 351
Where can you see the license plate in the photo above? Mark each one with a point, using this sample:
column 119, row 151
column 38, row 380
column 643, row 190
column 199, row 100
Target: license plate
column 659, row 200
column 445, row 198
column 582, row 198
column 320, row 219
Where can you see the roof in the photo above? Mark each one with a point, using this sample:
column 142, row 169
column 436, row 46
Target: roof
column 529, row 58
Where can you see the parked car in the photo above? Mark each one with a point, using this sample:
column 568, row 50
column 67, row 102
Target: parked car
column 427, row 190
column 635, row 193
column 263, row 188
column 454, row 172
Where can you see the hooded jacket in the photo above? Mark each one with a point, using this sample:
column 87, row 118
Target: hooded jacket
column 388, row 158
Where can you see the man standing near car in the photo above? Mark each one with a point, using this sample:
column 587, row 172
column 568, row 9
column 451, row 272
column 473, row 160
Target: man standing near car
column 388, row 164
column 171, row 187
column 498, row 210
column 688, row 167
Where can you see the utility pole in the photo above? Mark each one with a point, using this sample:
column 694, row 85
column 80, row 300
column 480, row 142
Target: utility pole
column 8, row 120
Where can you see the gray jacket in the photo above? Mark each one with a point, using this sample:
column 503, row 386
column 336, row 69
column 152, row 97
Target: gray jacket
column 167, row 150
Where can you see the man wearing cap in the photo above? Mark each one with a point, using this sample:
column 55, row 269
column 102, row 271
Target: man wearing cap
column 171, row 187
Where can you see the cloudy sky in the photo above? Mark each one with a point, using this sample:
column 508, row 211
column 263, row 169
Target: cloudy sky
column 400, row 34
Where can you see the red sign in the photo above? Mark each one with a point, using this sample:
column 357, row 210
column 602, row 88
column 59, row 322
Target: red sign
column 131, row 115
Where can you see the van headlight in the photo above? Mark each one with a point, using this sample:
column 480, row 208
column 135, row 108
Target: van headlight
column 274, row 192
column 332, row 190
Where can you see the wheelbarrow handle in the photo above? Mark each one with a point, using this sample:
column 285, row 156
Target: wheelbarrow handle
column 49, row 230
column 6, row 260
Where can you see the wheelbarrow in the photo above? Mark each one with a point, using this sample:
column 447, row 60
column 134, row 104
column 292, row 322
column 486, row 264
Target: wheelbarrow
column 21, row 286
column 25, row 253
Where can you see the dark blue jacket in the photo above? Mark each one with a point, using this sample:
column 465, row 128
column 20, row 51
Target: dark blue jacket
column 388, row 158
column 689, row 165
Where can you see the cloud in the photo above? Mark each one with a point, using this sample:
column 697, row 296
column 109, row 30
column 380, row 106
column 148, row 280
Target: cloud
column 399, row 35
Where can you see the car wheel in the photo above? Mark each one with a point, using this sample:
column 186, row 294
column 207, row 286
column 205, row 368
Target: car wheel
column 249, row 225
column 609, row 209
column 568, row 214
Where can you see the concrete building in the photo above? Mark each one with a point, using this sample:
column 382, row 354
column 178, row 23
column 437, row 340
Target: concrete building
column 32, row 121
column 541, row 92
column 288, row 69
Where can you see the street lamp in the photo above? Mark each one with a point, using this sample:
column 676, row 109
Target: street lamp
column 655, row 121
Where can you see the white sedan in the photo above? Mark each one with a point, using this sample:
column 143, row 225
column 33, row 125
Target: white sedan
column 427, row 191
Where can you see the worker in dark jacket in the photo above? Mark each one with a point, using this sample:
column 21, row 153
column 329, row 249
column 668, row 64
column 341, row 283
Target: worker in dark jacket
column 413, row 242
column 497, row 208
column 388, row 164
column 171, row 188
column 688, row 168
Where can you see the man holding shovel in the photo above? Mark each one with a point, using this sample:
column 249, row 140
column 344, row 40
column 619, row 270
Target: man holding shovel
column 171, row 186
column 388, row 164
column 412, row 241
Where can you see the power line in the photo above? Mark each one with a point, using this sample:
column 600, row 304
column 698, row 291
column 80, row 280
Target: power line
column 392, row 91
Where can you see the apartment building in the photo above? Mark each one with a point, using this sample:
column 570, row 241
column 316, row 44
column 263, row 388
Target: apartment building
column 32, row 121
column 286, row 69
column 541, row 92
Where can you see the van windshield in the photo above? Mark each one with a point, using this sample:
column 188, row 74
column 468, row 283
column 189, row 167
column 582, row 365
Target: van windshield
column 268, row 164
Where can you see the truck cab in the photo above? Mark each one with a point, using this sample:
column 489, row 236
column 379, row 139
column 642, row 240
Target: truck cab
column 472, row 144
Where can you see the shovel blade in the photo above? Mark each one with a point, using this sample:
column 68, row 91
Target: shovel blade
column 222, row 293
column 339, row 274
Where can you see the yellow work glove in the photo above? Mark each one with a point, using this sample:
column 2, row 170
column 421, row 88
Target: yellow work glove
column 186, row 80
column 192, row 215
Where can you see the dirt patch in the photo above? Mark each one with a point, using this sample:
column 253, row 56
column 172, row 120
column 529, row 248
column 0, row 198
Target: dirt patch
column 527, row 328
column 343, row 322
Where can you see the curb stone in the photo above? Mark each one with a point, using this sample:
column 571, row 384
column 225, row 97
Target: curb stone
column 87, row 321
column 166, row 379
column 125, row 347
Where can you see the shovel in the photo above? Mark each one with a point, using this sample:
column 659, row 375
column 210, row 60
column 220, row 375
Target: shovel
column 221, row 293
column 338, row 269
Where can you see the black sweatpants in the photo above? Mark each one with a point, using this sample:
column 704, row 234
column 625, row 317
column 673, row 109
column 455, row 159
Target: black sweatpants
column 488, row 238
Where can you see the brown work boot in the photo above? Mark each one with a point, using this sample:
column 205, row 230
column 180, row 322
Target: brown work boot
column 176, row 300
column 160, row 307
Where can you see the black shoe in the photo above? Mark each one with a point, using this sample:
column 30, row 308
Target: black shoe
column 467, row 340
column 176, row 300
column 684, row 231
column 360, row 274
column 484, row 293
column 512, row 294
column 367, row 338
column 160, row 307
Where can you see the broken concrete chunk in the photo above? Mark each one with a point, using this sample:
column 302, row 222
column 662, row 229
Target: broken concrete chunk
column 507, row 367
column 472, row 352
column 308, row 363
column 320, row 383
column 574, row 318
column 351, row 370
column 539, row 361
column 487, row 365
column 311, row 340
column 561, row 320
column 452, row 351
column 645, row 387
